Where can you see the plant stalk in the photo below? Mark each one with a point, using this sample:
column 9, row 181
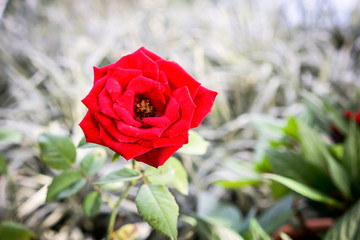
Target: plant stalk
column 116, row 209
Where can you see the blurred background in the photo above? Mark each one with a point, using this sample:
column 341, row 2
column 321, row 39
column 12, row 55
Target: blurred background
column 259, row 55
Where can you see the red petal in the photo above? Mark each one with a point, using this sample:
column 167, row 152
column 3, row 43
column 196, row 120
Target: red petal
column 106, row 104
column 124, row 76
column 152, row 89
column 165, row 83
column 124, row 108
column 171, row 114
column 110, row 127
column 138, row 60
column 142, row 133
column 91, row 100
column 165, row 142
column 127, row 150
column 187, row 108
column 158, row 156
column 113, row 87
column 91, row 129
column 99, row 72
column 204, row 101
column 177, row 77
column 150, row 54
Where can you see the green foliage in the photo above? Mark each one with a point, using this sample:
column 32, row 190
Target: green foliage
column 304, row 190
column 65, row 184
column 3, row 165
column 93, row 161
column 92, row 203
column 57, row 151
column 347, row 228
column 11, row 231
column 171, row 172
column 84, row 144
column 9, row 136
column 158, row 207
column 257, row 232
column 196, row 146
column 218, row 213
column 125, row 174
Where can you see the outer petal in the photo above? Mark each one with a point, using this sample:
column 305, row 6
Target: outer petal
column 91, row 129
column 165, row 142
column 177, row 77
column 138, row 60
column 150, row 54
column 99, row 72
column 158, row 156
column 187, row 108
column 204, row 101
column 127, row 150
column 91, row 100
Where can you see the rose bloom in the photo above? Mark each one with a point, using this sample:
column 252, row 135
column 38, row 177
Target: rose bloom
column 142, row 107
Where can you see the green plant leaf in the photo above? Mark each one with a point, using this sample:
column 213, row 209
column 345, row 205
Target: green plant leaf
column 316, row 152
column 92, row 203
column 352, row 153
column 171, row 172
column 218, row 213
column 11, row 231
column 347, row 227
column 304, row 190
column 115, row 157
column 3, row 165
column 84, row 144
column 93, row 161
column 196, row 146
column 10, row 136
column 125, row 174
column 234, row 175
column 277, row 214
column 257, row 232
column 65, row 184
column 158, row 207
column 57, row 151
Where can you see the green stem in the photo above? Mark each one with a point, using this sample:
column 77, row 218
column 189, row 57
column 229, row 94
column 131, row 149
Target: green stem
column 115, row 210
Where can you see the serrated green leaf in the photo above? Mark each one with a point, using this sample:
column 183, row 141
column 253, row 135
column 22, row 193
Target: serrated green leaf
column 196, row 146
column 347, row 227
column 11, row 231
column 64, row 185
column 3, row 165
column 304, row 190
column 92, row 203
column 171, row 172
column 57, row 151
column 125, row 174
column 93, row 161
column 158, row 207
column 10, row 136
column 84, row 144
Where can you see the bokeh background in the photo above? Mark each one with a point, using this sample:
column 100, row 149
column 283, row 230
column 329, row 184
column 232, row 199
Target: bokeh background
column 259, row 55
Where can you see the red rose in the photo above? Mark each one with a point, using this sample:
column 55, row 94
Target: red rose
column 142, row 107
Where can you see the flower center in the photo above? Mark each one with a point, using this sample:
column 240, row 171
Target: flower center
column 143, row 108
